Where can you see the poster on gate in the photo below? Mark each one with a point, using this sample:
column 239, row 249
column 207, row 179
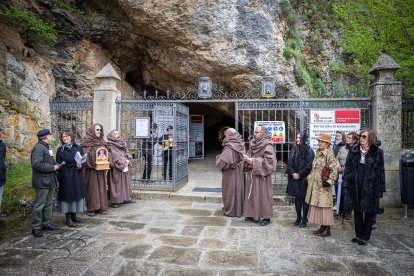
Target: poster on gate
column 277, row 130
column 196, row 139
column 331, row 121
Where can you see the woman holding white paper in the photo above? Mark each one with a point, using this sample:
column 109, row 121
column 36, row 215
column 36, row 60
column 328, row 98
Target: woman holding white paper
column 71, row 193
column 118, row 178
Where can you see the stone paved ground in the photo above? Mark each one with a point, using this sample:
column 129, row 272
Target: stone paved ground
column 154, row 237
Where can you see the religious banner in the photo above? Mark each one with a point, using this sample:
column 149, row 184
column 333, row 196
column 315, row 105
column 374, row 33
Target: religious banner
column 331, row 121
column 277, row 130
column 196, row 139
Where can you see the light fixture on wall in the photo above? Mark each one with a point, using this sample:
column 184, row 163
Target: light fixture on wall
column 268, row 87
column 205, row 89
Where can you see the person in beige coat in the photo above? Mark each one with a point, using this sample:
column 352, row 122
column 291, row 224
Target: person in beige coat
column 319, row 193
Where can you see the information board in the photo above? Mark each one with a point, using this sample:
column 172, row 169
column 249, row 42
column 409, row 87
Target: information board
column 196, row 139
column 277, row 130
column 330, row 121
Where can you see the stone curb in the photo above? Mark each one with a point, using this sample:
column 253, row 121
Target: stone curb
column 193, row 197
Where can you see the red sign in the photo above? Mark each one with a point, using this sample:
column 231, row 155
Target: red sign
column 196, row 119
column 347, row 117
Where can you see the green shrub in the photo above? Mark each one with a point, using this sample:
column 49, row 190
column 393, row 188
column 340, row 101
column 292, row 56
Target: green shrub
column 27, row 21
column 18, row 195
column 289, row 53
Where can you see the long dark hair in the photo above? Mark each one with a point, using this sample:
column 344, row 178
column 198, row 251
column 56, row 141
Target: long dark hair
column 302, row 149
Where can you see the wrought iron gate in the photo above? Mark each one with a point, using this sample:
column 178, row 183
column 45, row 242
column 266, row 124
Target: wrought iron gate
column 161, row 159
column 295, row 114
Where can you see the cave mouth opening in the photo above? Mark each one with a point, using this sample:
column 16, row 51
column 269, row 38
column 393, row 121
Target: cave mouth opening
column 214, row 120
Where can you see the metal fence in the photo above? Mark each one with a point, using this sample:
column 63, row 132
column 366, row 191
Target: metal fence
column 160, row 161
column 73, row 114
column 295, row 114
column 407, row 123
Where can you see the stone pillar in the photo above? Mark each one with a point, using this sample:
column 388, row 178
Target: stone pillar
column 386, row 91
column 104, row 106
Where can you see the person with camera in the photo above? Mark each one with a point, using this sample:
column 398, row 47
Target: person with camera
column 44, row 183
column 167, row 151
column 364, row 184
column 320, row 181
column 148, row 151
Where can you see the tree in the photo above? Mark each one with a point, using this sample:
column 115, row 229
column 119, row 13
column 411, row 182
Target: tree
column 374, row 26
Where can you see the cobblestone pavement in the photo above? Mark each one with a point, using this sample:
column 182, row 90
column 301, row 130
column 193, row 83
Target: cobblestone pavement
column 167, row 237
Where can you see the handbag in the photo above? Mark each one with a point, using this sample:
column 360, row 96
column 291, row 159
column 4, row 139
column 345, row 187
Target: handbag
column 325, row 171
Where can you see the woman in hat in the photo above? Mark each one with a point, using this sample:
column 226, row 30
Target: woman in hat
column 320, row 181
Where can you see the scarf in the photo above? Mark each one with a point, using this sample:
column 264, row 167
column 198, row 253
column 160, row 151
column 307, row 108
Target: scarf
column 259, row 143
column 91, row 140
column 235, row 142
column 117, row 147
column 68, row 146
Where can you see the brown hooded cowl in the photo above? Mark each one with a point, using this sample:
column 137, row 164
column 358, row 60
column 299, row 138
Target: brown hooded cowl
column 230, row 163
column 118, row 181
column 258, row 187
column 94, row 181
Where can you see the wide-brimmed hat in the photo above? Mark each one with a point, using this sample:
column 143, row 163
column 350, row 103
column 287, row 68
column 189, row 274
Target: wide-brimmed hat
column 325, row 137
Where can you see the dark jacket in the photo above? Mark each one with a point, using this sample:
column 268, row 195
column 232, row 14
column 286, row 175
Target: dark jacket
column 149, row 144
column 70, row 178
column 364, row 196
column 336, row 148
column 301, row 165
column 43, row 176
column 2, row 163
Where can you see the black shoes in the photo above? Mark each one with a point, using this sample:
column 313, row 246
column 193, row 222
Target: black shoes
column 75, row 218
column 250, row 219
column 37, row 233
column 265, row 222
column 69, row 221
column 304, row 223
column 297, row 222
column 355, row 240
column 362, row 242
column 50, row 227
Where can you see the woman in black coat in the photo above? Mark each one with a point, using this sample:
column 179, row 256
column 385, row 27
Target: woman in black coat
column 71, row 194
column 364, row 184
column 299, row 166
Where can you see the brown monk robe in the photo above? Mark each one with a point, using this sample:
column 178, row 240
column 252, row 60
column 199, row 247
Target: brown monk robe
column 94, row 180
column 260, row 162
column 118, row 177
column 230, row 163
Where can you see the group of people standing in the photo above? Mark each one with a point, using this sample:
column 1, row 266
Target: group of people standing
column 81, row 185
column 354, row 165
column 247, row 177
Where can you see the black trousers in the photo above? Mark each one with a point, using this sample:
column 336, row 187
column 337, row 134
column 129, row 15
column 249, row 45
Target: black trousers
column 299, row 205
column 147, row 167
column 363, row 225
column 168, row 160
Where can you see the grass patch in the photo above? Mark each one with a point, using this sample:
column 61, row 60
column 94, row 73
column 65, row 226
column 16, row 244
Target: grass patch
column 18, row 195
column 27, row 21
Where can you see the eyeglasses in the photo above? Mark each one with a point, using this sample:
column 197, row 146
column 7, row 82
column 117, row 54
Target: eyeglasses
column 257, row 132
column 363, row 136
column 349, row 138
column 98, row 129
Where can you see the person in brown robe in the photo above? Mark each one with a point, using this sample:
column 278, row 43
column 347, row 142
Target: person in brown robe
column 94, row 180
column 230, row 163
column 260, row 164
column 118, row 177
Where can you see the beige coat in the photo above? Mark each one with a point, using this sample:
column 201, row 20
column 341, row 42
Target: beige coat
column 317, row 195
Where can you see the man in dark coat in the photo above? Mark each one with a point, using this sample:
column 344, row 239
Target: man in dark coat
column 148, row 151
column 44, row 183
column 2, row 166
column 364, row 184
column 298, row 169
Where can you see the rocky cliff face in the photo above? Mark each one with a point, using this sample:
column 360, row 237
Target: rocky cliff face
column 163, row 45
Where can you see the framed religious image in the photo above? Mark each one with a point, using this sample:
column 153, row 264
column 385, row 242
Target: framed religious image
column 142, row 127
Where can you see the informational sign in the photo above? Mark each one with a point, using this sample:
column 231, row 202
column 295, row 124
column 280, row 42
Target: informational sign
column 196, row 140
column 277, row 130
column 142, row 127
column 331, row 121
